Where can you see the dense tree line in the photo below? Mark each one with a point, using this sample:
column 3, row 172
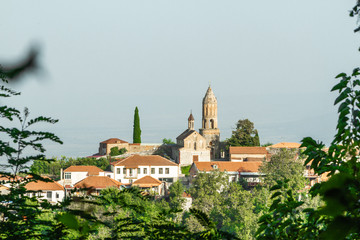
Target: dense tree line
column 53, row 166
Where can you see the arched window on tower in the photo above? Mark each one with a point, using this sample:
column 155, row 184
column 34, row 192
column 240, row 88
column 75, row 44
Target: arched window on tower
column 212, row 125
column 194, row 145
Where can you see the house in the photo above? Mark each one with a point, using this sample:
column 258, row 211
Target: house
column 95, row 184
column 51, row 191
column 132, row 168
column 241, row 154
column 149, row 183
column 249, row 171
column 74, row 174
column 105, row 146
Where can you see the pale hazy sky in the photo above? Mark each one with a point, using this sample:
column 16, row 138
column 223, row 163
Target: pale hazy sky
column 272, row 62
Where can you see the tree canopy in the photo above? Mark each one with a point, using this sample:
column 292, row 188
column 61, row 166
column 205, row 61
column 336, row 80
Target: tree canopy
column 244, row 135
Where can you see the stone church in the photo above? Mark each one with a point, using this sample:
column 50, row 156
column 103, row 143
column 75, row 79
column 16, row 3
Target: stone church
column 202, row 146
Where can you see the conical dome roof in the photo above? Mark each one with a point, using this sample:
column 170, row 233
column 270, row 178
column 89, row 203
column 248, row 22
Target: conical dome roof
column 209, row 96
column 191, row 117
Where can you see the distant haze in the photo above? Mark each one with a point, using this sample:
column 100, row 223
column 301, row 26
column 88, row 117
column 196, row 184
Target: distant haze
column 273, row 62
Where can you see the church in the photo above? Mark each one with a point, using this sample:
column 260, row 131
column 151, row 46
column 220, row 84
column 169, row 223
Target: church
column 203, row 146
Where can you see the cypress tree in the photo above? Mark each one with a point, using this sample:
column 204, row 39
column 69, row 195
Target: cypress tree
column 137, row 130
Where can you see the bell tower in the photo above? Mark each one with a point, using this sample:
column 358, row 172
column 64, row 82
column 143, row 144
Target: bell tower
column 209, row 128
column 191, row 122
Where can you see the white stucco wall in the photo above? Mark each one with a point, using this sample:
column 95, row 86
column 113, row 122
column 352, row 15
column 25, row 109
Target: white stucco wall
column 125, row 178
column 75, row 177
column 56, row 196
column 241, row 157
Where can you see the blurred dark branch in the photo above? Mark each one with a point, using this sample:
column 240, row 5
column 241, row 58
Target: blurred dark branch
column 28, row 64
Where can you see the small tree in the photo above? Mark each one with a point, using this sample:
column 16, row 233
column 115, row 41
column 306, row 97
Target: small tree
column 244, row 135
column 167, row 141
column 285, row 164
column 137, row 130
column 176, row 199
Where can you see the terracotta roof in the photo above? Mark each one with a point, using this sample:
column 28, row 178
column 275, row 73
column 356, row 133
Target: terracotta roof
column 286, row 145
column 8, row 178
column 149, row 160
column 41, row 185
column 97, row 182
column 2, row 187
column 186, row 195
column 228, row 166
column 146, row 182
column 113, row 141
column 92, row 170
column 247, row 150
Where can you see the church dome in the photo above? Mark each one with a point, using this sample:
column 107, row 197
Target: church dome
column 209, row 96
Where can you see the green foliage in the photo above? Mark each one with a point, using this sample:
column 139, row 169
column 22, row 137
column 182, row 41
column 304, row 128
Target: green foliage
column 267, row 144
column 244, row 135
column 186, row 170
column 284, row 219
column 115, row 151
column 176, row 191
column 167, row 141
column 53, row 167
column 338, row 217
column 232, row 209
column 137, row 130
column 285, row 164
column 21, row 216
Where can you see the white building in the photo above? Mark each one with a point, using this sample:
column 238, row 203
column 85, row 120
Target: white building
column 74, row 174
column 51, row 191
column 132, row 168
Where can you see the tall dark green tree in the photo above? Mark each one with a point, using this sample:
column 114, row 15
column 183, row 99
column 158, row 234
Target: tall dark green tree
column 244, row 135
column 137, row 130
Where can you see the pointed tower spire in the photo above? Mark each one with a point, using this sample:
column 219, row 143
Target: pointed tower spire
column 191, row 121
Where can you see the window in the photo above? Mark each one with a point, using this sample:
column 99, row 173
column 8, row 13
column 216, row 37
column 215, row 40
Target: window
column 161, row 170
column 130, row 181
column 118, row 170
column 145, row 170
column 49, row 195
column 124, row 171
column 167, row 171
column 57, row 195
column 131, row 171
column 139, row 170
column 67, row 175
column 152, row 170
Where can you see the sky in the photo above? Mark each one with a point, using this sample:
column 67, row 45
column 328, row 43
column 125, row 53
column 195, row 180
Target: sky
column 273, row 62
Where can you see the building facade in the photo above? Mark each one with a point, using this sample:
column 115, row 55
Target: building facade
column 135, row 167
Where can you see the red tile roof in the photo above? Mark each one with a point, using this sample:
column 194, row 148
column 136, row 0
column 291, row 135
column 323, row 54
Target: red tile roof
column 149, row 160
column 92, row 170
column 113, row 141
column 97, row 182
column 247, row 150
column 286, row 145
column 228, row 166
column 41, row 185
column 146, row 182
